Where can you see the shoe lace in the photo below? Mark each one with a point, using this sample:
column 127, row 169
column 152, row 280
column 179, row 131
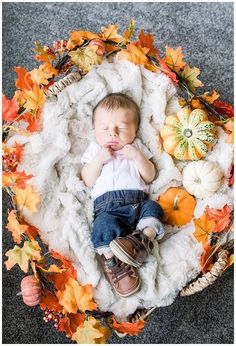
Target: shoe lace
column 120, row 271
column 139, row 240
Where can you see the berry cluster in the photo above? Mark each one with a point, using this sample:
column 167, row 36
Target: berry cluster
column 60, row 46
column 48, row 50
column 9, row 159
column 54, row 316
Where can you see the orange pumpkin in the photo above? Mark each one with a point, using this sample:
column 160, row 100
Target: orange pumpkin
column 100, row 44
column 30, row 290
column 178, row 206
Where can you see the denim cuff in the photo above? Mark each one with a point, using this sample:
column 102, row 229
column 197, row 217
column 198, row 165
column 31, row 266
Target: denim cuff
column 154, row 223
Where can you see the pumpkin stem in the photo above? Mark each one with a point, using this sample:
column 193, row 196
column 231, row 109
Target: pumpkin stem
column 176, row 200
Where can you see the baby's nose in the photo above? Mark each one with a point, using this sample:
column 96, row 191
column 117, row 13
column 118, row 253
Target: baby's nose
column 113, row 132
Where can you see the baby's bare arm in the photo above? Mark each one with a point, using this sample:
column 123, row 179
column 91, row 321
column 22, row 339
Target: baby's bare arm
column 91, row 171
column 145, row 167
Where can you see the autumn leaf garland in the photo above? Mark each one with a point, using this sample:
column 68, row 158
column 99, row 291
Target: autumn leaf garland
column 84, row 49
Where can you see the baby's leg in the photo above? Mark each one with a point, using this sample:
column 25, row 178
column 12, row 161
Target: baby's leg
column 150, row 233
column 134, row 248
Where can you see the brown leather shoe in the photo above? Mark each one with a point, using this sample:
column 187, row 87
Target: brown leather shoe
column 132, row 249
column 123, row 277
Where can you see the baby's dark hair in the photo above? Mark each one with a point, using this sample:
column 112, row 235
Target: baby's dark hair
column 118, row 100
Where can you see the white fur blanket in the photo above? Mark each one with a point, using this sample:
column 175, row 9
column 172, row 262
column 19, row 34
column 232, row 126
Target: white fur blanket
column 65, row 215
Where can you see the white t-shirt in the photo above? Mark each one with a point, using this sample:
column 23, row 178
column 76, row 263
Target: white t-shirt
column 117, row 174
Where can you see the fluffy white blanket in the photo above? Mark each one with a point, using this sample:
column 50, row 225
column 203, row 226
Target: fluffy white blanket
column 65, row 215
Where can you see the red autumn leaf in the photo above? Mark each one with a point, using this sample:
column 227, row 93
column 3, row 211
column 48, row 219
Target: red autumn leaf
column 127, row 327
column 9, row 109
column 220, row 216
column 223, row 108
column 50, row 302
column 70, row 323
column 206, row 260
column 24, row 81
column 165, row 69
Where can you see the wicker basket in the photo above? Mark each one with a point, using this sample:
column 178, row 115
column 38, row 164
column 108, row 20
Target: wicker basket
column 202, row 281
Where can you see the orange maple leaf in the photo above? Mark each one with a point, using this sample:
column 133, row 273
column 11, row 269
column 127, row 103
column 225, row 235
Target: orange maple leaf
column 15, row 227
column 49, row 301
column 127, row 327
column 78, row 37
column 35, row 98
column 211, row 98
column 135, row 54
column 23, row 81
column 9, row 109
column 147, row 40
column 207, row 258
column 76, row 297
column 65, row 262
column 174, row 58
column 70, row 323
column 34, row 120
column 203, row 228
column 43, row 73
column 15, row 178
column 28, row 198
column 220, row 216
column 230, row 261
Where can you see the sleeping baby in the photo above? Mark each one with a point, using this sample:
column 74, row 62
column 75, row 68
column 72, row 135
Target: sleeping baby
column 117, row 168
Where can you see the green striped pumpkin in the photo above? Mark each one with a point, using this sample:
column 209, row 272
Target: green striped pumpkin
column 188, row 135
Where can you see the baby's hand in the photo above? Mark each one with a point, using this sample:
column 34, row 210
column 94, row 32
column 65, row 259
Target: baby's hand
column 104, row 155
column 129, row 152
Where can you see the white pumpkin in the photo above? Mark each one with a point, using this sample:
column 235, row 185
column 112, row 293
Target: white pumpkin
column 202, row 178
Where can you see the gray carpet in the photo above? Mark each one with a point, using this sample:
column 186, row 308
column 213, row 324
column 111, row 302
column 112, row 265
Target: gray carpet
column 205, row 31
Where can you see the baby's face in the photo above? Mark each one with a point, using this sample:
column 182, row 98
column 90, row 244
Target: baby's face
column 114, row 128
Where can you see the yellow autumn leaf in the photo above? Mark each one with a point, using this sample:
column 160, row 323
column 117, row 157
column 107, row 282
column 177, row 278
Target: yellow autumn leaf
column 174, row 58
column 89, row 332
column 15, row 227
column 190, row 76
column 76, row 297
column 203, row 228
column 135, row 54
column 110, row 33
column 21, row 256
column 28, row 198
column 34, row 98
column 86, row 57
column 129, row 32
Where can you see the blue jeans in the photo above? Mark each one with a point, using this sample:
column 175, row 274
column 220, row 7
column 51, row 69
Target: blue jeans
column 118, row 213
